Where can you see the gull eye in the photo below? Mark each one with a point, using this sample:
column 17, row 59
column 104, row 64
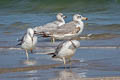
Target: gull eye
column 78, row 17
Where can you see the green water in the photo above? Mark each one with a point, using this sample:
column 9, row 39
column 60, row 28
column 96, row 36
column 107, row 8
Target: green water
column 36, row 6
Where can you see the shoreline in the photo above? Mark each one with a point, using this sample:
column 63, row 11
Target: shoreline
column 101, row 78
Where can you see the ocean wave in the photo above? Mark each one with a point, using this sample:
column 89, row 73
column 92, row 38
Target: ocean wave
column 25, row 6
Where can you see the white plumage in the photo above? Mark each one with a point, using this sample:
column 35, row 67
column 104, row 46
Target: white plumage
column 66, row 50
column 52, row 25
column 28, row 41
column 69, row 30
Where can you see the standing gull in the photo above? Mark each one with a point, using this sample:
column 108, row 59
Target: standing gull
column 66, row 50
column 69, row 30
column 52, row 25
column 28, row 41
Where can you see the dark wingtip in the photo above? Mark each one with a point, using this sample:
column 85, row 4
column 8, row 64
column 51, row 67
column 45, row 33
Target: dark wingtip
column 50, row 53
column 35, row 32
column 53, row 56
column 45, row 35
column 18, row 44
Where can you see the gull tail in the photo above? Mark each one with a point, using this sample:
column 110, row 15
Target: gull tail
column 53, row 55
column 50, row 53
column 19, row 44
column 44, row 34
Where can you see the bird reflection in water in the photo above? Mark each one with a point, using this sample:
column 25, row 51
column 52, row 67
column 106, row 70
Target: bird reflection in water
column 69, row 75
column 29, row 62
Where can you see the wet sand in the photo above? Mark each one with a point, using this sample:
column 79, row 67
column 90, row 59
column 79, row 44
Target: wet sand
column 92, row 61
column 65, row 74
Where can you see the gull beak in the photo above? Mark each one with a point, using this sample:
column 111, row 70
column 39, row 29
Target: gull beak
column 84, row 18
column 64, row 16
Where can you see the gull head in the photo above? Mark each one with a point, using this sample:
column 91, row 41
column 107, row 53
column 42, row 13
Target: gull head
column 30, row 32
column 60, row 16
column 78, row 18
column 76, row 43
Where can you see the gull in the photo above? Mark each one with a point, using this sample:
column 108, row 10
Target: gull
column 28, row 41
column 68, row 30
column 52, row 25
column 65, row 50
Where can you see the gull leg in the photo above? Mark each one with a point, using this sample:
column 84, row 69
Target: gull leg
column 52, row 39
column 31, row 50
column 70, row 63
column 27, row 54
column 64, row 62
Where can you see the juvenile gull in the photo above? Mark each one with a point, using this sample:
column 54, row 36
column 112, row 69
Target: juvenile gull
column 28, row 41
column 66, row 50
column 69, row 30
column 52, row 25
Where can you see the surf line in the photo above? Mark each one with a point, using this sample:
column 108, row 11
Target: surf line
column 81, row 47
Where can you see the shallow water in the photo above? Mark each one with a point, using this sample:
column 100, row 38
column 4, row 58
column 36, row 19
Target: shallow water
column 98, row 56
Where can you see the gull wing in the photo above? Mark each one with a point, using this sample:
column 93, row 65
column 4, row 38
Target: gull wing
column 69, row 28
column 47, row 27
column 59, row 47
column 21, row 40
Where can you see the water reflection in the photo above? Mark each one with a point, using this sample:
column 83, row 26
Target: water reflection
column 69, row 75
column 29, row 62
column 31, row 75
